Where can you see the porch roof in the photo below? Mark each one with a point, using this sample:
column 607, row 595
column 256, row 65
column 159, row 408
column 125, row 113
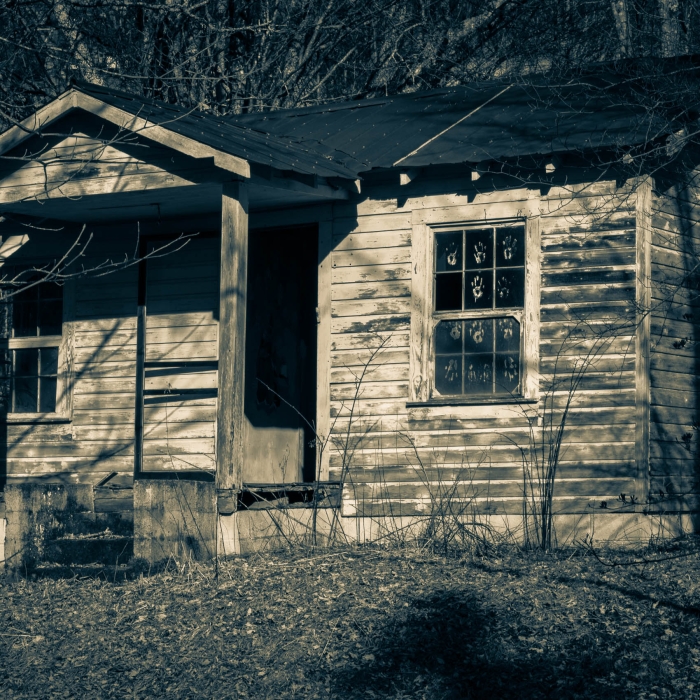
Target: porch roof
column 184, row 130
column 243, row 141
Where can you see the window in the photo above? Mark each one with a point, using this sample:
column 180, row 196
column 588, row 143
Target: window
column 479, row 293
column 31, row 321
column 475, row 304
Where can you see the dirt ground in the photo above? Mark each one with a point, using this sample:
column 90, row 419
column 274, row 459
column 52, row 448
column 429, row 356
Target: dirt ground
column 364, row 624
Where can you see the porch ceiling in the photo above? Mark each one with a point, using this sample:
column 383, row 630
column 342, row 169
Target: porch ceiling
column 170, row 202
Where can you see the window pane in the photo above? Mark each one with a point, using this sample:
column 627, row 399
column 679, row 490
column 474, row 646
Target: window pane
column 507, row 335
column 24, row 320
column 507, row 373
column 510, row 288
column 48, row 358
column 478, row 290
column 448, row 292
column 478, row 374
column 25, row 394
column 448, row 252
column 47, row 394
column 448, row 337
column 510, row 246
column 478, row 335
column 478, row 248
column 50, row 317
column 26, row 362
column 448, row 374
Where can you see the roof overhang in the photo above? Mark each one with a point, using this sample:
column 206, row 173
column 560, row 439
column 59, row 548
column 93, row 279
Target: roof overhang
column 74, row 99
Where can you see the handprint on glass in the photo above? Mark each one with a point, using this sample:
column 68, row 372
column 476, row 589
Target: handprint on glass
column 507, row 334
column 507, row 373
column 479, row 374
column 448, row 375
column 478, row 335
column 510, row 246
column 477, row 270
column 510, row 288
column 479, row 248
column 478, row 290
column 448, row 337
column 448, row 252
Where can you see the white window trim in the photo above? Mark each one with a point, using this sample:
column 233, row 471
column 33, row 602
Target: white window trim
column 426, row 222
column 64, row 384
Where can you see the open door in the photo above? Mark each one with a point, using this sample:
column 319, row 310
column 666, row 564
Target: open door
column 280, row 359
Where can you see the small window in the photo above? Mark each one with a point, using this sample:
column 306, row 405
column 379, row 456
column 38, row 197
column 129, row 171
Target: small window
column 478, row 303
column 34, row 373
column 31, row 320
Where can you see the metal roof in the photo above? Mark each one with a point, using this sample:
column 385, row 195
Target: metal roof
column 239, row 140
column 466, row 124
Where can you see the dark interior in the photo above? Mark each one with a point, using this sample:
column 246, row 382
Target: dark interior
column 281, row 324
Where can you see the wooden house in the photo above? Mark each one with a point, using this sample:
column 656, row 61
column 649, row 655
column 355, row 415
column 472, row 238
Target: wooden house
column 379, row 306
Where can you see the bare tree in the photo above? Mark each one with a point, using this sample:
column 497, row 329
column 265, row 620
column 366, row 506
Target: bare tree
column 232, row 57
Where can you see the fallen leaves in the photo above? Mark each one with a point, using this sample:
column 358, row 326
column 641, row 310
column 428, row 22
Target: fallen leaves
column 354, row 624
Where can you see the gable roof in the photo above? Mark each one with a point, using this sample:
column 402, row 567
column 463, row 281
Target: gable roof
column 602, row 109
column 232, row 146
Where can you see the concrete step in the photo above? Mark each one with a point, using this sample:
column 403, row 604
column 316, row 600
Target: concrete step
column 121, row 572
column 103, row 549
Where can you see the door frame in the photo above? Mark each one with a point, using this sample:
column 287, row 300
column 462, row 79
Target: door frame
column 322, row 419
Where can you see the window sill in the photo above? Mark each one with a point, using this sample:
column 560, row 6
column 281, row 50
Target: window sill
column 31, row 418
column 463, row 401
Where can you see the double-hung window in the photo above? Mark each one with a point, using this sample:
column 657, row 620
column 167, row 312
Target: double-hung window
column 475, row 304
column 478, row 302
column 31, row 322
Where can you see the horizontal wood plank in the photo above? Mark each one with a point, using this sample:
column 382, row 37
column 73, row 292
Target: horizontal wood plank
column 370, row 290
column 370, row 257
column 370, row 273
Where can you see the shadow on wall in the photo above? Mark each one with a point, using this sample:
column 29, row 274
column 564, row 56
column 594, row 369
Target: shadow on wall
column 691, row 257
column 678, row 480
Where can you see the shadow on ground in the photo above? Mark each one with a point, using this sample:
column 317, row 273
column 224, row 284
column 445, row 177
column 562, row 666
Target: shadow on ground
column 448, row 646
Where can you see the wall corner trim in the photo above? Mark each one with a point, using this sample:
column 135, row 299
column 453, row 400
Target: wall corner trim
column 643, row 337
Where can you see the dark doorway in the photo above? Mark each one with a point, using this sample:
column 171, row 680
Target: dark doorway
column 280, row 366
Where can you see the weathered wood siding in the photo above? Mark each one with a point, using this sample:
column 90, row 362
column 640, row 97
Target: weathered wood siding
column 95, row 159
column 675, row 350
column 398, row 460
column 587, row 343
column 182, row 332
column 100, row 318
column 182, row 298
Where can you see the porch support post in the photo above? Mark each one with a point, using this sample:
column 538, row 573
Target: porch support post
column 643, row 342
column 232, row 310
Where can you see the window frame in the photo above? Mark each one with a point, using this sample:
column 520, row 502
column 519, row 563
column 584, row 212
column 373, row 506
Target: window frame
column 424, row 318
column 64, row 378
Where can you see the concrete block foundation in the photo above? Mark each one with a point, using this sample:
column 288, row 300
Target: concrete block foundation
column 174, row 518
column 37, row 514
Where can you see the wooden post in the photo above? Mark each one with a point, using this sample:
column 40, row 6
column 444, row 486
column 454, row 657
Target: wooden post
column 643, row 344
column 323, row 344
column 421, row 296
column 140, row 359
column 232, row 311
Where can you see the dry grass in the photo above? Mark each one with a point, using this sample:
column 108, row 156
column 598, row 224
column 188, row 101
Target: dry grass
column 363, row 624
